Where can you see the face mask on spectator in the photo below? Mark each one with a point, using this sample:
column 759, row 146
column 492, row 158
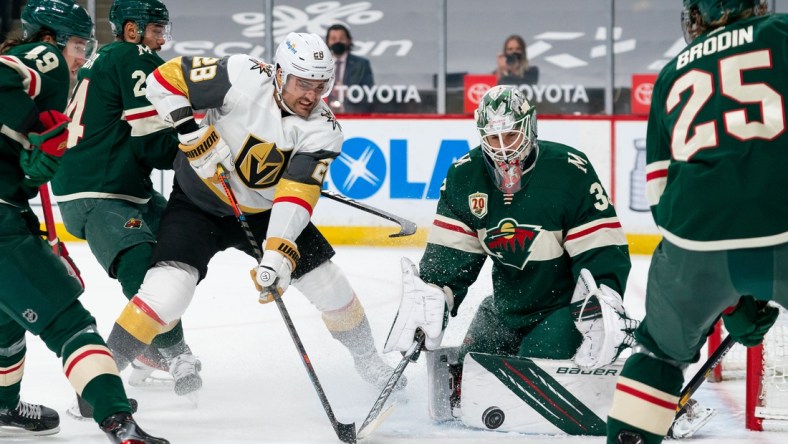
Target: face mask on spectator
column 338, row 48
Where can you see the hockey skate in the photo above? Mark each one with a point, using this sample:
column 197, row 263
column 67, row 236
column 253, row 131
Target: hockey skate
column 122, row 429
column 150, row 370
column 185, row 370
column 29, row 420
column 375, row 371
column 82, row 411
column 691, row 421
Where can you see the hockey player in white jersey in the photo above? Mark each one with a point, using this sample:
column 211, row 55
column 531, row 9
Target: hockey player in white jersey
column 267, row 125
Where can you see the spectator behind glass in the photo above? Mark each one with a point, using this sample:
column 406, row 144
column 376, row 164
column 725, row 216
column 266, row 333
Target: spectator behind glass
column 350, row 70
column 513, row 66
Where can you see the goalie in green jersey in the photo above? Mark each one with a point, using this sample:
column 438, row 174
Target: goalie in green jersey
column 104, row 188
column 716, row 162
column 37, row 293
column 560, row 261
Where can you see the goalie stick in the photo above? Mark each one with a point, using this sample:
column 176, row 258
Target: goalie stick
column 58, row 247
column 406, row 227
column 374, row 418
column 345, row 432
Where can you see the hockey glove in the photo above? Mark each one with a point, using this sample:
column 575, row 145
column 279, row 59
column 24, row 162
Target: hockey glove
column 205, row 151
column 53, row 137
column 273, row 273
column 423, row 307
column 749, row 321
column 38, row 166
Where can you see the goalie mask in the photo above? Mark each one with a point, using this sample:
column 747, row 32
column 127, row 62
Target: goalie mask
column 142, row 13
column 699, row 16
column 70, row 23
column 506, row 122
column 305, row 56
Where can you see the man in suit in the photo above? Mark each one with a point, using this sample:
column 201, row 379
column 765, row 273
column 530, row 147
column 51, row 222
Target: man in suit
column 350, row 70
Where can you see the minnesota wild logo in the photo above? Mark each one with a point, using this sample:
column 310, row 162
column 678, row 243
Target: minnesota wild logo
column 511, row 242
column 133, row 223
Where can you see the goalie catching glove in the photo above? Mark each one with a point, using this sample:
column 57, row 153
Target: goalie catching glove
column 600, row 317
column 205, row 151
column 423, row 307
column 273, row 273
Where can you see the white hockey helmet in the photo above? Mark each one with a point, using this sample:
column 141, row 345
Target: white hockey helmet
column 306, row 56
column 502, row 110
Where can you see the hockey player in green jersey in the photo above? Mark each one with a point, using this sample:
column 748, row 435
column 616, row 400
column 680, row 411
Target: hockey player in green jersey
column 538, row 210
column 716, row 153
column 103, row 187
column 37, row 294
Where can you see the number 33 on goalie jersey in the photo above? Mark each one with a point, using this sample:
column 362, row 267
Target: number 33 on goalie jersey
column 278, row 156
column 538, row 238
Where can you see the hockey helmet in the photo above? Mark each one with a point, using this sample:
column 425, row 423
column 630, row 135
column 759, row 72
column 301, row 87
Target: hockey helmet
column 141, row 12
column 712, row 11
column 63, row 17
column 506, row 122
column 305, row 56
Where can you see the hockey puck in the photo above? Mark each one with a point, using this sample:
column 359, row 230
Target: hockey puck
column 493, row 417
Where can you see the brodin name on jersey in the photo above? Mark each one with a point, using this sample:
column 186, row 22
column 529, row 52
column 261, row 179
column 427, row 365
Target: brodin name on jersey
column 510, row 242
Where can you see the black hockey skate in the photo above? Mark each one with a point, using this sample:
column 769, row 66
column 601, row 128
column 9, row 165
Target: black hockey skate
column 82, row 411
column 122, row 429
column 29, row 420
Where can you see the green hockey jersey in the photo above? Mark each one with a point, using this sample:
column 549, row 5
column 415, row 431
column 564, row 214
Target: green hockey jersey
column 538, row 238
column 116, row 138
column 716, row 139
column 34, row 77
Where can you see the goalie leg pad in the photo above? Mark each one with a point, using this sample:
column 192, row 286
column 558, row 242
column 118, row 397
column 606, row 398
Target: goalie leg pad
column 443, row 374
column 510, row 393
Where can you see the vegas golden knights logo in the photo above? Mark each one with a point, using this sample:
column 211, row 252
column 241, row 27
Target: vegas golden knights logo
column 261, row 164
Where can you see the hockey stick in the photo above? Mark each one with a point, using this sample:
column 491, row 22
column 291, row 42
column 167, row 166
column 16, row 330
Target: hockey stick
column 374, row 418
column 58, row 247
column 345, row 432
column 699, row 377
column 406, row 227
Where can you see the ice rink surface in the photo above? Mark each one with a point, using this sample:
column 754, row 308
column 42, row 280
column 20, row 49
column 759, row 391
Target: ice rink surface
column 255, row 386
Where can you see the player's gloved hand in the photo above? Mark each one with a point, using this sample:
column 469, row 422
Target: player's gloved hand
column 38, row 166
column 206, row 150
column 423, row 307
column 53, row 137
column 749, row 321
column 273, row 273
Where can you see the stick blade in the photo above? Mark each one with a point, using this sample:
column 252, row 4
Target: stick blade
column 346, row 432
column 364, row 432
column 407, row 228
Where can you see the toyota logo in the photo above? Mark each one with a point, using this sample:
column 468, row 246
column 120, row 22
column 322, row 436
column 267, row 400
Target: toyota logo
column 643, row 93
column 476, row 91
